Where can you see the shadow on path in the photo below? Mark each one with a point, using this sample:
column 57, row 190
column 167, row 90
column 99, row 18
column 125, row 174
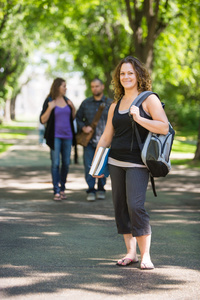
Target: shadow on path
column 68, row 250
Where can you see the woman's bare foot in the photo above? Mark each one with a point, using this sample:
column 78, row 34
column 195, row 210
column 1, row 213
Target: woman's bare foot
column 146, row 265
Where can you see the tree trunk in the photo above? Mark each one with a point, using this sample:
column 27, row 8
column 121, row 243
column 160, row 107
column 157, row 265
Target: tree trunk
column 12, row 108
column 144, row 45
column 7, row 111
column 108, row 90
column 197, row 153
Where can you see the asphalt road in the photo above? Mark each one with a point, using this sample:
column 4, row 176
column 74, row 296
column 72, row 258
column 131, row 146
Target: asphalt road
column 68, row 250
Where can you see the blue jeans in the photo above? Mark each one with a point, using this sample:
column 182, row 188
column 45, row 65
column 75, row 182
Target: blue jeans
column 59, row 174
column 41, row 136
column 88, row 157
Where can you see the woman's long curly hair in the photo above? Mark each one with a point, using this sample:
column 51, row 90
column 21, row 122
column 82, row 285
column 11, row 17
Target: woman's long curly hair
column 54, row 90
column 143, row 77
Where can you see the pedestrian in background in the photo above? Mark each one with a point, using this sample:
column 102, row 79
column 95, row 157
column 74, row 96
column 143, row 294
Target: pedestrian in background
column 41, row 131
column 58, row 113
column 129, row 176
column 84, row 118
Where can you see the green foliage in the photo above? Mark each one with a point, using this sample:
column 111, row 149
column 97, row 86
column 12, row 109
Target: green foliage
column 14, row 47
column 93, row 36
column 22, row 29
column 182, row 108
column 186, row 135
column 176, row 73
column 97, row 38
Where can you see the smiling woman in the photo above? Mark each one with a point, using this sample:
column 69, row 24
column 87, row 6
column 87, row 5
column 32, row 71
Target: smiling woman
column 129, row 175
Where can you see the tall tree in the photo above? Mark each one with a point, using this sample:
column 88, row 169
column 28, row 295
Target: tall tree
column 97, row 37
column 147, row 19
column 177, row 66
column 162, row 33
column 18, row 36
column 13, row 49
column 197, row 152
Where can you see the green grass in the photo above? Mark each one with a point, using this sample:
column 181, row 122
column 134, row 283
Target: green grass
column 185, row 142
column 183, row 147
column 16, row 128
column 12, row 132
column 13, row 135
column 189, row 163
column 189, row 135
column 4, row 147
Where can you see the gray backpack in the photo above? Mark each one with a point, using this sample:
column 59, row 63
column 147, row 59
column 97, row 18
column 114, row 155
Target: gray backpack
column 155, row 151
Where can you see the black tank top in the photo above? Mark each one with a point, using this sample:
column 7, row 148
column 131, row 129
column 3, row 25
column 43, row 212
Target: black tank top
column 121, row 143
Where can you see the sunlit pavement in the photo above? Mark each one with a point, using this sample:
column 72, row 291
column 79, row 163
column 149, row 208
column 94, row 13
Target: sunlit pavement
column 68, row 250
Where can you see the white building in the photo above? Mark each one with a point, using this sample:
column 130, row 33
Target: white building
column 29, row 102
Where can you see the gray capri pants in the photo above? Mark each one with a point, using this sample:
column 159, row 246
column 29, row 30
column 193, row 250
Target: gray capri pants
column 129, row 187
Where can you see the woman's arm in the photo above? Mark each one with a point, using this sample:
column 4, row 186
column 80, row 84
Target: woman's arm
column 107, row 136
column 69, row 102
column 80, row 116
column 45, row 116
column 153, row 106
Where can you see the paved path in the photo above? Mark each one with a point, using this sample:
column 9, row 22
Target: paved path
column 68, row 250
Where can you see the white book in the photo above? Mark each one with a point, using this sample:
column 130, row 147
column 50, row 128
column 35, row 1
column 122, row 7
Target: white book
column 96, row 160
column 102, row 167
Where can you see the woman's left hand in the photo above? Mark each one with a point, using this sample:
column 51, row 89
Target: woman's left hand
column 69, row 102
column 100, row 176
column 134, row 111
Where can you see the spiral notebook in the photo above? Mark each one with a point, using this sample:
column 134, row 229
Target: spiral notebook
column 100, row 163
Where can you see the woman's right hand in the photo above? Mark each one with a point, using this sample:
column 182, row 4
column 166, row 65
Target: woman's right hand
column 45, row 117
column 86, row 129
column 52, row 104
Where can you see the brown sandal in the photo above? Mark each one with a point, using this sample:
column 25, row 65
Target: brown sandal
column 126, row 262
column 57, row 197
column 63, row 195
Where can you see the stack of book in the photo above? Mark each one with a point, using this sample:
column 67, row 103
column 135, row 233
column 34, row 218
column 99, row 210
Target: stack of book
column 100, row 163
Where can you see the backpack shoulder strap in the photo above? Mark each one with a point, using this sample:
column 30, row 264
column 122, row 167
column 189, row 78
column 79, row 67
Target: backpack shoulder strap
column 153, row 185
column 141, row 97
column 137, row 102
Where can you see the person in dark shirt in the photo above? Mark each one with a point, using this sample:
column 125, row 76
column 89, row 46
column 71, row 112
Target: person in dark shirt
column 58, row 113
column 84, row 117
column 129, row 176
